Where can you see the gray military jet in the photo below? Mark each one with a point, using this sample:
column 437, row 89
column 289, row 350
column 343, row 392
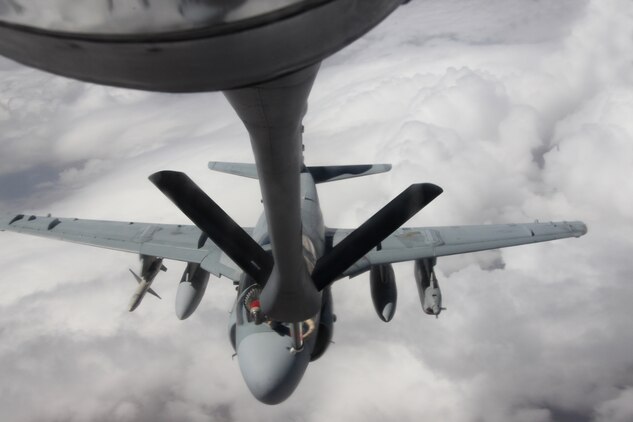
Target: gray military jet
column 274, row 351
column 264, row 55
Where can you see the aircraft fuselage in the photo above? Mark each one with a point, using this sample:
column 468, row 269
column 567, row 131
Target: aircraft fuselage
column 271, row 363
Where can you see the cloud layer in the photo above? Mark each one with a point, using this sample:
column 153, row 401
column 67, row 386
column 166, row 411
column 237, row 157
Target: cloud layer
column 519, row 110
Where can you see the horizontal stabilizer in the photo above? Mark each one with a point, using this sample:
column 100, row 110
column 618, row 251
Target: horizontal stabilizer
column 320, row 174
column 323, row 174
column 238, row 169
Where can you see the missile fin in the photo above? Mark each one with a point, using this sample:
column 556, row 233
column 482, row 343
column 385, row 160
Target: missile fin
column 153, row 293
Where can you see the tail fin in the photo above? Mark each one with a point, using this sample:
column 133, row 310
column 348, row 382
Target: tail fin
column 320, row 174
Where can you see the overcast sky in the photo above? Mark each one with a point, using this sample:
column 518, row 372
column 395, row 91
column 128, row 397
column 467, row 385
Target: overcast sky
column 519, row 109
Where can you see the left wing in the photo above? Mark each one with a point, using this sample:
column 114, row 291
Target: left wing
column 179, row 242
column 407, row 244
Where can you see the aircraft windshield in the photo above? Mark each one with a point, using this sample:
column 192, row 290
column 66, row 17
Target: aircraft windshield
column 133, row 17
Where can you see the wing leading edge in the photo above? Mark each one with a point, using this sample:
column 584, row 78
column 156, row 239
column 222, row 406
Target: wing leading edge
column 407, row 244
column 187, row 243
column 179, row 242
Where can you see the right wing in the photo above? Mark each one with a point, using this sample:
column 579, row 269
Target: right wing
column 407, row 244
column 179, row 242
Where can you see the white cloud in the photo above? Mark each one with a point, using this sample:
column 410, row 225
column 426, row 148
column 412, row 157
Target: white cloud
column 519, row 110
column 619, row 409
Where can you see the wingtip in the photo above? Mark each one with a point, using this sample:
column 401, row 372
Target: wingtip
column 156, row 177
column 429, row 189
column 580, row 228
column 159, row 176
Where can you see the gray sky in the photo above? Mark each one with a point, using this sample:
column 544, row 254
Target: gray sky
column 520, row 110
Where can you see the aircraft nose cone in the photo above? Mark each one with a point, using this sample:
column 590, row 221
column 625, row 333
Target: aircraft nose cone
column 270, row 370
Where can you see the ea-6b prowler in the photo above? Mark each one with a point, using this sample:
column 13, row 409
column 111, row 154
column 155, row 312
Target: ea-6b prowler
column 274, row 352
column 264, row 56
